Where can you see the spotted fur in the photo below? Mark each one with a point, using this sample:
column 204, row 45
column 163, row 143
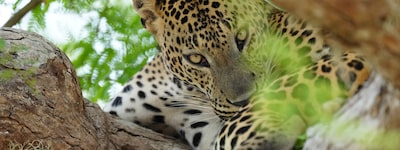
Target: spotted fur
column 199, row 89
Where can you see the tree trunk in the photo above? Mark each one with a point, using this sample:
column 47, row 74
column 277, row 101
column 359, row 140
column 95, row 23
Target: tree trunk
column 41, row 103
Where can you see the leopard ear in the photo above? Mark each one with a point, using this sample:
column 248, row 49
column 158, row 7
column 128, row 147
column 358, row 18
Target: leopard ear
column 149, row 11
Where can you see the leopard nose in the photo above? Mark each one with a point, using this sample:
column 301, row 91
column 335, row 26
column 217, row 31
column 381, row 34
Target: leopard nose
column 240, row 103
column 241, row 100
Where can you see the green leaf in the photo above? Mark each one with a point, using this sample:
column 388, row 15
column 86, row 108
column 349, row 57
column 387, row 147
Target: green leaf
column 18, row 2
column 38, row 21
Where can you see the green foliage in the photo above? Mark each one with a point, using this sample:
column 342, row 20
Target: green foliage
column 113, row 48
column 367, row 136
column 313, row 101
column 81, row 6
column 300, row 142
column 16, row 4
column 38, row 16
column 124, row 49
column 272, row 60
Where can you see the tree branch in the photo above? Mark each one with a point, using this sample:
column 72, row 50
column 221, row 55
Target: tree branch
column 22, row 12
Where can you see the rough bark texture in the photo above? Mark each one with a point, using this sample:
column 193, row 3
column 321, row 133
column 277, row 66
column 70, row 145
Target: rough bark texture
column 41, row 101
column 372, row 28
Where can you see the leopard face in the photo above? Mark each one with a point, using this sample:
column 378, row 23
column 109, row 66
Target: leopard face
column 199, row 70
column 202, row 41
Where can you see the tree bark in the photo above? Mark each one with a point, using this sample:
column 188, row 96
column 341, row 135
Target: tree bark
column 41, row 103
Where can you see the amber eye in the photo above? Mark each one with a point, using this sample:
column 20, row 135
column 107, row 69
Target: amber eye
column 197, row 59
column 241, row 39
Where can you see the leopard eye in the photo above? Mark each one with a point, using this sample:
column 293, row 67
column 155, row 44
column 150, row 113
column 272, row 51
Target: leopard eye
column 241, row 39
column 197, row 59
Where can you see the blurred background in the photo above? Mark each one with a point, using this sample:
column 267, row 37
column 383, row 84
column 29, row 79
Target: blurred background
column 104, row 39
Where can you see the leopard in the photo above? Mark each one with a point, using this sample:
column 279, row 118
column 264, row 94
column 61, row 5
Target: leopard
column 200, row 89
